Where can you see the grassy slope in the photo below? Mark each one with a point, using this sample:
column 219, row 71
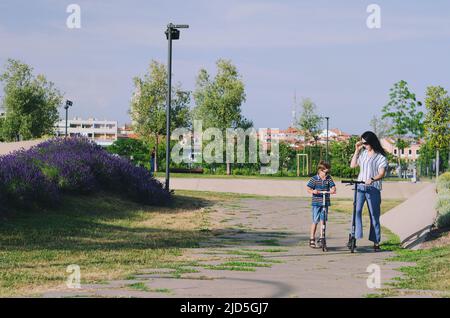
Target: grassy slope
column 107, row 237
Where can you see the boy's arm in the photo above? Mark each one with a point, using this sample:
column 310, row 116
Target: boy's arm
column 310, row 190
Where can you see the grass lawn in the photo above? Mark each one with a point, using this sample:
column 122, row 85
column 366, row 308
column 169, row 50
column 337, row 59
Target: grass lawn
column 109, row 238
column 431, row 271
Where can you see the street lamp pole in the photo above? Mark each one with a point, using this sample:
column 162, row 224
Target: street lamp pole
column 172, row 33
column 326, row 157
column 66, row 107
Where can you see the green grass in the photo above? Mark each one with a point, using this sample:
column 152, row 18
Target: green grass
column 109, row 238
column 138, row 286
column 346, row 205
column 431, row 272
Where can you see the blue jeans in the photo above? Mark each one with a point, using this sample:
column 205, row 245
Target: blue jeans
column 318, row 214
column 373, row 197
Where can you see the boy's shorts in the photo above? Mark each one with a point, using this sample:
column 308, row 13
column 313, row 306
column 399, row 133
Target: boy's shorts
column 318, row 214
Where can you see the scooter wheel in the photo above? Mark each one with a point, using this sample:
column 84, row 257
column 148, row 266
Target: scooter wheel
column 353, row 245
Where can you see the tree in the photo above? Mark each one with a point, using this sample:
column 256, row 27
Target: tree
column 130, row 148
column 437, row 120
column 380, row 126
column 309, row 122
column 406, row 119
column 148, row 105
column 30, row 102
column 219, row 100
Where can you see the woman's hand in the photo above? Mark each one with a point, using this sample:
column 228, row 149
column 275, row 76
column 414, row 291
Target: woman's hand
column 358, row 146
column 369, row 182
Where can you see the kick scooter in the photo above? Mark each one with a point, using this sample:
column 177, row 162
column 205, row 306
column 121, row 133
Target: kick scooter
column 323, row 240
column 352, row 236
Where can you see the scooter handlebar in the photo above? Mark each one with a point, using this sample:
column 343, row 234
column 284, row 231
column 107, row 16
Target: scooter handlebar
column 352, row 182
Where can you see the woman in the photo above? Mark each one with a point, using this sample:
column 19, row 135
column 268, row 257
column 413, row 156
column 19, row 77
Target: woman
column 373, row 164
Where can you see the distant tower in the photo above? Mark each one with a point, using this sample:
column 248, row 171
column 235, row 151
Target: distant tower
column 293, row 113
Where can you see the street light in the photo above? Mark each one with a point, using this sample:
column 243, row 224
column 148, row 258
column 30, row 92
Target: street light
column 172, row 33
column 66, row 107
column 326, row 156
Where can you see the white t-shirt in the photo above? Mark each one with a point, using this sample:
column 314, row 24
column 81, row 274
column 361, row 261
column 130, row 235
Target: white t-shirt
column 371, row 166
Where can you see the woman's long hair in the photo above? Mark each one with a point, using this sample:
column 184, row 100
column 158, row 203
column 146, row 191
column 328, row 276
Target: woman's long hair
column 374, row 142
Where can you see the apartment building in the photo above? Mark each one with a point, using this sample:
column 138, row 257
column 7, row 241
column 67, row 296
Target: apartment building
column 102, row 132
column 410, row 153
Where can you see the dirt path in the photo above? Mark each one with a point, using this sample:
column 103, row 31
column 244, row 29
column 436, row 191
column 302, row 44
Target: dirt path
column 260, row 251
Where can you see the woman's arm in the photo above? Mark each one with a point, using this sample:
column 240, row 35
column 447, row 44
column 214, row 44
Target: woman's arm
column 358, row 147
column 379, row 176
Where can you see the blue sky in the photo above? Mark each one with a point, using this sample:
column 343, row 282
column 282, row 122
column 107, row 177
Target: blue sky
column 318, row 49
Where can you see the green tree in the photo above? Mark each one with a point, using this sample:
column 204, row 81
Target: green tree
column 310, row 123
column 148, row 105
column 219, row 100
column 404, row 115
column 132, row 149
column 437, row 120
column 30, row 102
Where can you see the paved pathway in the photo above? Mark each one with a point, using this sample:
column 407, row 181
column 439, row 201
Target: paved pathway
column 289, row 188
column 280, row 228
column 7, row 147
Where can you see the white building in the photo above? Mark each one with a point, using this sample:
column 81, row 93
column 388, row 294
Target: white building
column 102, row 132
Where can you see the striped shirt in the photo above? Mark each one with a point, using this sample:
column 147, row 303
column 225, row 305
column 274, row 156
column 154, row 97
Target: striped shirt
column 316, row 183
column 371, row 166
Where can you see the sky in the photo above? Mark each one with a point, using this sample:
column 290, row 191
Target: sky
column 322, row 50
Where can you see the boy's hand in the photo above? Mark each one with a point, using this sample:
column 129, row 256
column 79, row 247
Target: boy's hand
column 315, row 192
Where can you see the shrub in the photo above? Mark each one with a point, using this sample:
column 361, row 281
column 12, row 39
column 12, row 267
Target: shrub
column 74, row 165
column 443, row 202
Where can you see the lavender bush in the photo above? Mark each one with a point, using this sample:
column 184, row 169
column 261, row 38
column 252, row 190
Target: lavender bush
column 73, row 165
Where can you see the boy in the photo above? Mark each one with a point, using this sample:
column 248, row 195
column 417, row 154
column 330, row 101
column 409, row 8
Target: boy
column 320, row 182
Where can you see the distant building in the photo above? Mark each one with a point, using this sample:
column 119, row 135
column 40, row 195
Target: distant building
column 126, row 131
column 102, row 132
column 410, row 153
column 333, row 135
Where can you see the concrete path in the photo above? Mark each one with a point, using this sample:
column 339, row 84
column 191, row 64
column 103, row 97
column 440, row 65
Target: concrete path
column 7, row 147
column 277, row 230
column 288, row 188
column 413, row 219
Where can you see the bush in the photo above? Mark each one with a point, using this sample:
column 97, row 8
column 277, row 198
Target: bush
column 40, row 174
column 443, row 202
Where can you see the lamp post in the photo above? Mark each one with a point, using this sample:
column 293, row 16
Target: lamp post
column 66, row 107
column 326, row 156
column 172, row 33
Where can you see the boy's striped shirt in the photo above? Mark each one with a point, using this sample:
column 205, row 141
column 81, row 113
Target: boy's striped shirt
column 316, row 183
